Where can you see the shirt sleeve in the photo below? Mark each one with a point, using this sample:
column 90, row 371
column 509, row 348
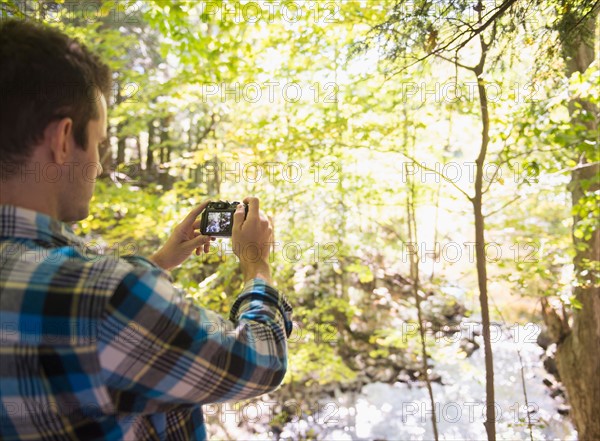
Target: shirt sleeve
column 159, row 350
column 145, row 263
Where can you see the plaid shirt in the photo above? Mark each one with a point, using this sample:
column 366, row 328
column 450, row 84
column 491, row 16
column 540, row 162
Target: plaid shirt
column 100, row 347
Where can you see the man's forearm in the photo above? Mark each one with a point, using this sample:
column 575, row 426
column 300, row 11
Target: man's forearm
column 204, row 357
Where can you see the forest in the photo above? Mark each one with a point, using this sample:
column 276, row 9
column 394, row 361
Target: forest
column 432, row 172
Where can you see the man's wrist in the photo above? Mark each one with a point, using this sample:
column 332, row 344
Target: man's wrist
column 157, row 260
column 257, row 271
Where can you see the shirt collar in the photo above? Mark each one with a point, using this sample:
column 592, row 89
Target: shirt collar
column 28, row 224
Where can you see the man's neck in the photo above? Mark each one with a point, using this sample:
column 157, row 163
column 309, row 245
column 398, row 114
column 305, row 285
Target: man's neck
column 30, row 196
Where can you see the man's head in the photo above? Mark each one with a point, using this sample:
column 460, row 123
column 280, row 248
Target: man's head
column 52, row 119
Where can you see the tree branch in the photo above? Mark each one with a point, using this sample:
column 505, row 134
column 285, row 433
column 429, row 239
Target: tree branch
column 505, row 147
column 455, row 62
column 474, row 32
column 584, row 17
column 208, row 128
column 502, row 207
column 439, row 174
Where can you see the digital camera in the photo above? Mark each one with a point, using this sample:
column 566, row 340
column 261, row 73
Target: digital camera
column 217, row 218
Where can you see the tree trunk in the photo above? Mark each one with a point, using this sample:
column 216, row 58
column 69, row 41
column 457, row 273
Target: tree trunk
column 105, row 153
column 490, row 416
column 482, row 283
column 120, row 146
column 163, row 134
column 150, row 149
column 578, row 349
column 120, row 137
column 414, row 274
column 138, row 150
column 578, row 354
column 212, row 176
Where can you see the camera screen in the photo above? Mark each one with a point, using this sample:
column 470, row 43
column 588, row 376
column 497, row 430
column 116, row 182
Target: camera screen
column 219, row 222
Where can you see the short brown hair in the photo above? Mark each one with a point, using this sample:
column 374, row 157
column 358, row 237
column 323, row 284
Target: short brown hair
column 44, row 76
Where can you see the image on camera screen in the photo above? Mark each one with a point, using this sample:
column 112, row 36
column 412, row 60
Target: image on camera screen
column 219, row 222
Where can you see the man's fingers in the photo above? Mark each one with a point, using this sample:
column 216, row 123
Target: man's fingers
column 200, row 240
column 272, row 225
column 238, row 217
column 253, row 206
column 205, row 246
column 192, row 215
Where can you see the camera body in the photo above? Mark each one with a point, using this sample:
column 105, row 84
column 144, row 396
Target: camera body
column 217, row 218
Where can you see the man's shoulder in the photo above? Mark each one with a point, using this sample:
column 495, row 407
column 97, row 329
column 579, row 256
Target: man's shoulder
column 45, row 288
column 80, row 269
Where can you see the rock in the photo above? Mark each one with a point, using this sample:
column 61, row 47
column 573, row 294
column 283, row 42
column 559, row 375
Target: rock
column 360, row 363
column 468, row 346
column 435, row 378
column 371, row 362
column 360, row 380
column 414, row 374
column 385, row 376
column 544, row 340
column 371, row 372
column 403, row 376
column 550, row 366
column 563, row 409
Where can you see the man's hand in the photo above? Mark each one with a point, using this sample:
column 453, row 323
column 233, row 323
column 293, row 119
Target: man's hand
column 183, row 241
column 252, row 240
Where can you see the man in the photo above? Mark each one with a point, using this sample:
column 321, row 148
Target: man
column 100, row 347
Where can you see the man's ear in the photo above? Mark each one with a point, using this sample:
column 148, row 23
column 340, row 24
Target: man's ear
column 60, row 134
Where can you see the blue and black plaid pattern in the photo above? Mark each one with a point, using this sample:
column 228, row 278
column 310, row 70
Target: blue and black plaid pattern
column 96, row 347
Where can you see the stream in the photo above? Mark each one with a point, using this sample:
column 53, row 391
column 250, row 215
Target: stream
column 402, row 411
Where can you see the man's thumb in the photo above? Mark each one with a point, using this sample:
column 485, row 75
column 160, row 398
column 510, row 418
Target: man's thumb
column 198, row 241
column 239, row 216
